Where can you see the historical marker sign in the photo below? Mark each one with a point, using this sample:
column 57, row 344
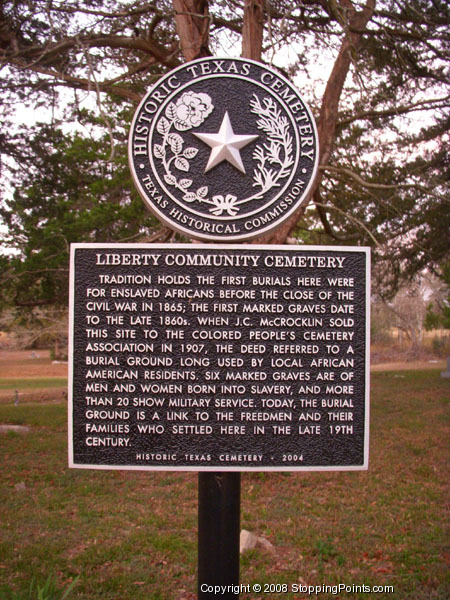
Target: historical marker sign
column 223, row 149
column 218, row 357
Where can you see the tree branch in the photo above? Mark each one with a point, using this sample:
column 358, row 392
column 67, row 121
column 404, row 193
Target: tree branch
column 379, row 186
column 396, row 110
column 326, row 224
column 142, row 10
column 352, row 218
column 56, row 49
column 84, row 84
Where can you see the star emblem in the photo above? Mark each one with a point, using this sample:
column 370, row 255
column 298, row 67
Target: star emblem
column 225, row 145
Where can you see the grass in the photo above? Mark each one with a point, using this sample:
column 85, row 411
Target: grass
column 32, row 389
column 31, row 383
column 45, row 591
column 130, row 535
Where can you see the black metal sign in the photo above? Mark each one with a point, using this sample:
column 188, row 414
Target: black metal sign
column 223, row 149
column 218, row 357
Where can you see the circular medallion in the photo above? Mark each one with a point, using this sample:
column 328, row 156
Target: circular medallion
column 223, row 149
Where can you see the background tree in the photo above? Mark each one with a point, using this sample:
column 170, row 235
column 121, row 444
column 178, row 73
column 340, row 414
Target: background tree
column 382, row 111
column 438, row 309
column 72, row 193
column 407, row 310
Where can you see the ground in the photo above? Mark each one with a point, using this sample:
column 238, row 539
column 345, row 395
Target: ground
column 31, row 376
column 130, row 535
column 29, row 363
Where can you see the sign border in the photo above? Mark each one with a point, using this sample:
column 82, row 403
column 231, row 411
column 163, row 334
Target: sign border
column 74, row 247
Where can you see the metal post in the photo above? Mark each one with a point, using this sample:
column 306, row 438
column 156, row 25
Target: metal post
column 218, row 532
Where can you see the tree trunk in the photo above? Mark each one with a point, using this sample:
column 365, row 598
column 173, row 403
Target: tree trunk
column 192, row 22
column 252, row 29
column 355, row 20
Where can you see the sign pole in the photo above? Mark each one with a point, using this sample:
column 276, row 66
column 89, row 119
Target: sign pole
column 218, row 532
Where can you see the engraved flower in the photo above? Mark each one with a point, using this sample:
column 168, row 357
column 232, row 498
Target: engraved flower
column 224, row 204
column 192, row 109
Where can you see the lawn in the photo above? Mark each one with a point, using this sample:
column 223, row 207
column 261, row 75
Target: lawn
column 32, row 389
column 28, row 376
column 31, row 383
column 131, row 535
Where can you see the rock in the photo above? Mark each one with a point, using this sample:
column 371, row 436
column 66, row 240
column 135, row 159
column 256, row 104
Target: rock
column 15, row 428
column 249, row 540
column 264, row 543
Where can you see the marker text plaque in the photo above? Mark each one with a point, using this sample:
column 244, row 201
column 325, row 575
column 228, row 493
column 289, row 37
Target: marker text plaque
column 209, row 357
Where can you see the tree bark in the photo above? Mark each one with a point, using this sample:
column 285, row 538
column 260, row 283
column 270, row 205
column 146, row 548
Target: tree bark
column 252, row 29
column 355, row 21
column 192, row 21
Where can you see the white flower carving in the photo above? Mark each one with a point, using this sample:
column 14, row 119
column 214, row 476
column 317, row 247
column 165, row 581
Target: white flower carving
column 191, row 110
column 224, row 204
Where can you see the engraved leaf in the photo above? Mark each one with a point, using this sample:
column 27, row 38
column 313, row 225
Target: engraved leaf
column 190, row 152
column 182, row 164
column 159, row 151
column 176, row 142
column 185, row 183
column 258, row 179
column 189, row 197
column 202, row 192
column 274, row 152
column 182, row 125
column 170, row 179
column 171, row 111
column 163, row 126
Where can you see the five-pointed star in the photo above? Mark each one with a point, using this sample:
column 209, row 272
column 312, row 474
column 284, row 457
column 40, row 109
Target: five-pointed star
column 225, row 145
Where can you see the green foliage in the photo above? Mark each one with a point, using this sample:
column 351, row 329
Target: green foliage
column 47, row 591
column 438, row 315
column 441, row 346
column 432, row 319
column 70, row 193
